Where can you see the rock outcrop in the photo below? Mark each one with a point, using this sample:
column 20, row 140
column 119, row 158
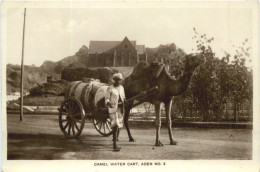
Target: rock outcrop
column 54, row 88
column 103, row 74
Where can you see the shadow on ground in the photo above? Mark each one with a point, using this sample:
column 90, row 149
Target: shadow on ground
column 50, row 146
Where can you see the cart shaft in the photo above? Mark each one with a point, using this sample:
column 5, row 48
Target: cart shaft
column 142, row 95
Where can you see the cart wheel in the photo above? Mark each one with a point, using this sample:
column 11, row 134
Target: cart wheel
column 103, row 126
column 71, row 117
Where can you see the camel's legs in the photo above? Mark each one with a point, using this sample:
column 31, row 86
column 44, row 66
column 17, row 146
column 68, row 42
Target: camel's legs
column 126, row 117
column 168, row 107
column 158, row 123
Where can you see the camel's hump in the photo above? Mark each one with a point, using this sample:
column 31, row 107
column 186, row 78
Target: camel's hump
column 140, row 69
column 144, row 68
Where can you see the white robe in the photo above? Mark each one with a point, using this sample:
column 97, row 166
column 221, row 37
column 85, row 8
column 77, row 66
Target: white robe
column 115, row 95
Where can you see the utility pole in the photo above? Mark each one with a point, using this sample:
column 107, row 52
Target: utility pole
column 114, row 59
column 21, row 84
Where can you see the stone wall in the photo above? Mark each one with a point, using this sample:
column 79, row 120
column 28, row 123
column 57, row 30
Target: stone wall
column 100, row 60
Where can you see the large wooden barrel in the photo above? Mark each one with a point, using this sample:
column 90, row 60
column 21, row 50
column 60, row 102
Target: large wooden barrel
column 91, row 94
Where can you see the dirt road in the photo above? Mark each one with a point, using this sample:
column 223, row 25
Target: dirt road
column 39, row 137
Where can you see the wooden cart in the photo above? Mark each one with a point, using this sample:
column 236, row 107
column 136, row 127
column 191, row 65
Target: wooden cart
column 74, row 110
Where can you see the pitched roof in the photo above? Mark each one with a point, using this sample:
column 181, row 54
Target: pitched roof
column 140, row 49
column 103, row 46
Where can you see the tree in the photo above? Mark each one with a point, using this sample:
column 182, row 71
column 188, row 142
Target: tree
column 241, row 82
column 215, row 85
column 220, row 80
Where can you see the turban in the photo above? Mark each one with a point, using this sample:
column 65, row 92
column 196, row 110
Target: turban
column 117, row 75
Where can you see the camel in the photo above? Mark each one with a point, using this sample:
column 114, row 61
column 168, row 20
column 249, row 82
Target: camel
column 145, row 76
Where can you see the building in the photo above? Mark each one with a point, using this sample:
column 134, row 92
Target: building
column 115, row 53
column 13, row 96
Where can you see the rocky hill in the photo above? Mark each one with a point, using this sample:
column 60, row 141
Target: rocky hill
column 54, row 88
column 103, row 74
column 78, row 60
column 35, row 76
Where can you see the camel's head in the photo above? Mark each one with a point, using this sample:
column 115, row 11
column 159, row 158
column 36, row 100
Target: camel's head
column 193, row 60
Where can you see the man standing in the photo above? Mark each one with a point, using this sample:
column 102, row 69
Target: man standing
column 115, row 99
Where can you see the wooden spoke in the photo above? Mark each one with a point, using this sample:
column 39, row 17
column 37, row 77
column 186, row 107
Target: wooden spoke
column 67, row 108
column 73, row 129
column 77, row 108
column 108, row 121
column 100, row 126
column 78, row 114
column 76, row 120
column 76, row 126
column 64, row 120
column 73, row 116
column 66, row 125
column 104, row 126
column 73, row 107
column 96, row 122
column 108, row 127
column 69, row 128
column 70, row 107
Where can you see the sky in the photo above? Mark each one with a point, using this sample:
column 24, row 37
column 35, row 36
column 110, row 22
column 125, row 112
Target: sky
column 55, row 33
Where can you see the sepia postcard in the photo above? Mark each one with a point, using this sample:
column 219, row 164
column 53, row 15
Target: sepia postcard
column 130, row 85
